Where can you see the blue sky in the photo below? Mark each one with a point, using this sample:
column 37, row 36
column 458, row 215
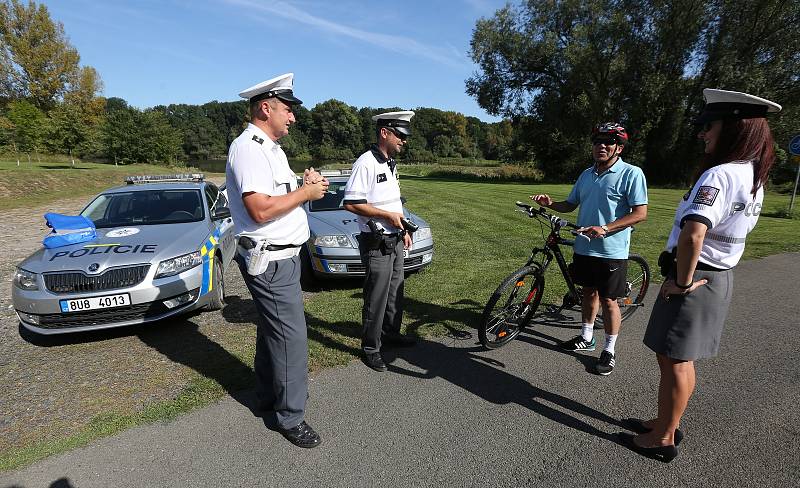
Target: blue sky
column 410, row 53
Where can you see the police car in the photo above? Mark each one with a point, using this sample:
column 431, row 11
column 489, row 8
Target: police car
column 162, row 246
column 332, row 249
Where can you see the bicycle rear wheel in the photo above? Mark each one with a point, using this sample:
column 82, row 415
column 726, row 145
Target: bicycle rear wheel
column 511, row 307
column 636, row 284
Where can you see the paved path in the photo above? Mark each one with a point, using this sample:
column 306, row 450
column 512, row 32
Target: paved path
column 449, row 414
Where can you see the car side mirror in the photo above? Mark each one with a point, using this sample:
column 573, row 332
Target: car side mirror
column 221, row 213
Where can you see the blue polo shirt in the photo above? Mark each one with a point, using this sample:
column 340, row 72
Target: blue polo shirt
column 604, row 198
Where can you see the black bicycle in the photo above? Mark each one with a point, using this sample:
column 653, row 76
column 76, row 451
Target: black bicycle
column 513, row 304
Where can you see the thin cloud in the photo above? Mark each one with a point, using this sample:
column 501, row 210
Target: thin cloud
column 398, row 44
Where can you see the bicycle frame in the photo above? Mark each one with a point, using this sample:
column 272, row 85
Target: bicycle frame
column 552, row 249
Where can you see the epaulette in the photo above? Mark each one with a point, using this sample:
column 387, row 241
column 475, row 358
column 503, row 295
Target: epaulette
column 258, row 139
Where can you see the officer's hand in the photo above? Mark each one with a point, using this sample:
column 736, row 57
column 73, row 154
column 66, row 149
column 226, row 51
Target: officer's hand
column 543, row 199
column 407, row 241
column 315, row 191
column 311, row 175
column 396, row 219
column 669, row 288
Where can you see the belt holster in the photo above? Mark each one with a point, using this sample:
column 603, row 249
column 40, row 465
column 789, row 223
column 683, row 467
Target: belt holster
column 666, row 261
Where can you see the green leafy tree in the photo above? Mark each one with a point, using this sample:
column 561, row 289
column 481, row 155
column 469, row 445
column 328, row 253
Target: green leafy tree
column 557, row 68
column 337, row 130
column 37, row 61
column 28, row 125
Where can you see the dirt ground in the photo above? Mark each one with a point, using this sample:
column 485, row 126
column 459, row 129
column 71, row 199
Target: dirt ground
column 53, row 387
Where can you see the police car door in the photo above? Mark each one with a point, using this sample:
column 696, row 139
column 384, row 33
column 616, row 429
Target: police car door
column 224, row 225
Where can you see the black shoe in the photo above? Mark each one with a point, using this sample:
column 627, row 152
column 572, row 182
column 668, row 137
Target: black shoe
column 302, row 435
column 398, row 340
column 605, row 365
column 375, row 361
column 577, row 343
column 664, row 454
column 637, row 425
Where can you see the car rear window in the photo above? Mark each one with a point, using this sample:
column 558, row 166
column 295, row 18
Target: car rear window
column 332, row 199
column 145, row 207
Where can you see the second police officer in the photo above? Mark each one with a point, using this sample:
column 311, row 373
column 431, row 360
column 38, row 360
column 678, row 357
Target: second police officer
column 373, row 193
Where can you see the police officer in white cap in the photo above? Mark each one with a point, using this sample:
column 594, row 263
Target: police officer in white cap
column 373, row 193
column 265, row 205
column 707, row 241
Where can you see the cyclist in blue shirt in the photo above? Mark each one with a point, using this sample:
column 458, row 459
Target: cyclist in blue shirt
column 611, row 196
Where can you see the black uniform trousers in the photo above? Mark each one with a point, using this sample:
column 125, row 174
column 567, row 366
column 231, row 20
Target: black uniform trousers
column 281, row 361
column 383, row 294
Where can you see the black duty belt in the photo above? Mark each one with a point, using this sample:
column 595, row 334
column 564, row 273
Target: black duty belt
column 701, row 266
column 248, row 243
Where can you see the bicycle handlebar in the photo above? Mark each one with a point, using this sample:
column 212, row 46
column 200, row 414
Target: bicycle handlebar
column 556, row 221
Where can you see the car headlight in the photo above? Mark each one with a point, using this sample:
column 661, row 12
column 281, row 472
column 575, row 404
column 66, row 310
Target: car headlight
column 25, row 279
column 332, row 241
column 179, row 264
column 422, row 234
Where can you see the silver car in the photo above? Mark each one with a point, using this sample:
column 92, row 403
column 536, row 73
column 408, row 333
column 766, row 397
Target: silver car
column 332, row 249
column 163, row 244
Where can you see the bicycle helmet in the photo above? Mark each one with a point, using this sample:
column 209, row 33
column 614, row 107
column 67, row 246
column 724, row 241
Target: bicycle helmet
column 612, row 129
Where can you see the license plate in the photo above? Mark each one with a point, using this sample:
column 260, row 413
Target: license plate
column 406, row 253
column 94, row 303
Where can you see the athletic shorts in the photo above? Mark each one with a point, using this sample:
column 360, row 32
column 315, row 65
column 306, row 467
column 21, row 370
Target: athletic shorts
column 608, row 276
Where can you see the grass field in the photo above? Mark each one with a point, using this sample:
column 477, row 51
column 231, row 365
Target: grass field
column 479, row 240
column 37, row 183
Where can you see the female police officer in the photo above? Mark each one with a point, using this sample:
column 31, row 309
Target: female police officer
column 706, row 242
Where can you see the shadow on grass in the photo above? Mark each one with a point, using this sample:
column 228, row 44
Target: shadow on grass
column 242, row 310
column 182, row 342
column 485, row 378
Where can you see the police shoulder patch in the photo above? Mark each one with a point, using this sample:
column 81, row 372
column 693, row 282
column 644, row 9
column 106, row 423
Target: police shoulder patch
column 706, row 195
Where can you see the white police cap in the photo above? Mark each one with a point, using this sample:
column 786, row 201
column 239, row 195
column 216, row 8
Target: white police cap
column 279, row 87
column 396, row 120
column 724, row 104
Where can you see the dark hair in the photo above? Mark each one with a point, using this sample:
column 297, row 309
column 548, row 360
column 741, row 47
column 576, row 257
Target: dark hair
column 743, row 140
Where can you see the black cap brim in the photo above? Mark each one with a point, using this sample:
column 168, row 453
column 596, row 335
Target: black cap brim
column 289, row 98
column 734, row 111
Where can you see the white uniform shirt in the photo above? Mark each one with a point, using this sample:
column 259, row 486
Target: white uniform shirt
column 721, row 199
column 257, row 164
column 373, row 182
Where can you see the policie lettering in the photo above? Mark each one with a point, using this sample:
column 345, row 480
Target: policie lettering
column 751, row 209
column 120, row 249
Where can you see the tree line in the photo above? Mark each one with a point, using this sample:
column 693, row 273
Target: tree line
column 552, row 69
column 49, row 103
column 557, row 67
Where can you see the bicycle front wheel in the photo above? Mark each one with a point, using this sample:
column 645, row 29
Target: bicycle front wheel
column 511, row 307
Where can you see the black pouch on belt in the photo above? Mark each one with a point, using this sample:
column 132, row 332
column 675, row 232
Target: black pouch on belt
column 666, row 260
column 389, row 244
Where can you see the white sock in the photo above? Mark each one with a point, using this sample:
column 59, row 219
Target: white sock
column 587, row 331
column 611, row 340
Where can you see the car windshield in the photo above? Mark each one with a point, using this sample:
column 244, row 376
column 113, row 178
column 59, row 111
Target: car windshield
column 145, row 207
column 332, row 199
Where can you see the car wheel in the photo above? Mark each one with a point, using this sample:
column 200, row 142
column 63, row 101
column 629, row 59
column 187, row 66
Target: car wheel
column 217, row 300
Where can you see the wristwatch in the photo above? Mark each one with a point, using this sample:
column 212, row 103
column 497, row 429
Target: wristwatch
column 605, row 228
